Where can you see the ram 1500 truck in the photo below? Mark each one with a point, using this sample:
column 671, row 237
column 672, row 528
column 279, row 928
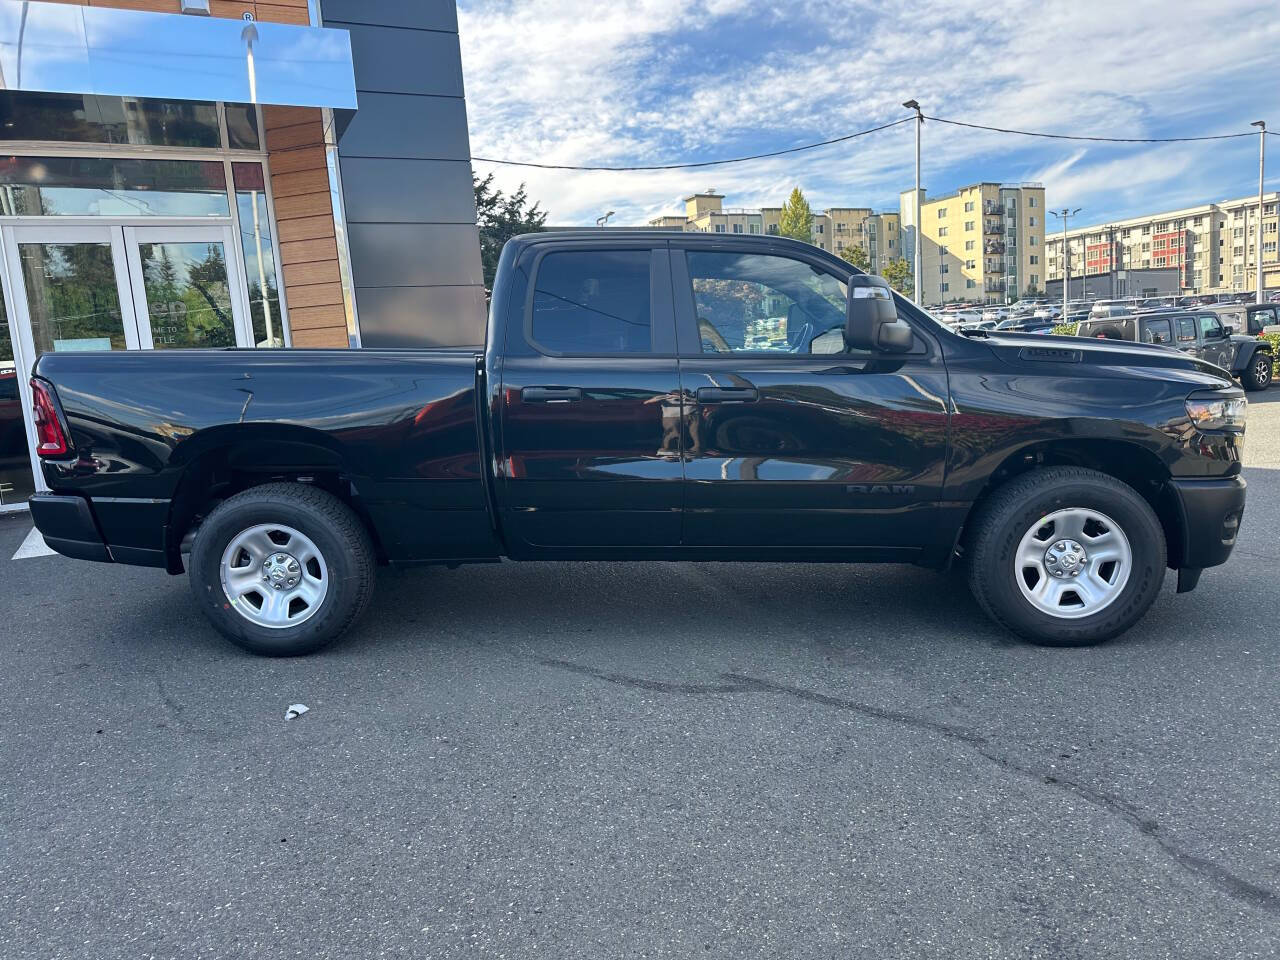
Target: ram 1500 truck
column 643, row 395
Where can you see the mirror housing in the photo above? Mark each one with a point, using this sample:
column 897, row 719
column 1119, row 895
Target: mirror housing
column 871, row 317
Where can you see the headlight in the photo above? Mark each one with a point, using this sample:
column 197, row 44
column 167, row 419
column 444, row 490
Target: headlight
column 1217, row 413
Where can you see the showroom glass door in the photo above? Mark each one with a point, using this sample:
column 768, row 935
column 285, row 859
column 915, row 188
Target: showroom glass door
column 185, row 287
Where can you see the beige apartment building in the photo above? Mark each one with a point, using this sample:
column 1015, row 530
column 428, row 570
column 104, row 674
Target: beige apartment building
column 981, row 243
column 1213, row 246
column 836, row 229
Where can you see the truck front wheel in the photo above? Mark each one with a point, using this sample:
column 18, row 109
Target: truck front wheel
column 1066, row 556
column 282, row 569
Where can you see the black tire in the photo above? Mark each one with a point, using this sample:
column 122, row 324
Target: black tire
column 1257, row 375
column 1001, row 521
column 335, row 530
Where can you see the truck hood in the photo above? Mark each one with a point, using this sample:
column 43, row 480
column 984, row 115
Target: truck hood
column 1018, row 348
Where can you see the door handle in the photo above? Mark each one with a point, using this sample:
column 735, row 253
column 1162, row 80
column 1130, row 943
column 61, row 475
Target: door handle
column 551, row 394
column 727, row 394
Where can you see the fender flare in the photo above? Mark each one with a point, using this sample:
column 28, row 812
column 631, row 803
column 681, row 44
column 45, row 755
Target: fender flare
column 1245, row 354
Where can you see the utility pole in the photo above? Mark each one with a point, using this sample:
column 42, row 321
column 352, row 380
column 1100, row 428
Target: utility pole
column 1262, row 166
column 918, row 285
column 1065, row 215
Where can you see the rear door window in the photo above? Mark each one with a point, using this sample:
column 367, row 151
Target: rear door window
column 592, row 303
column 1186, row 331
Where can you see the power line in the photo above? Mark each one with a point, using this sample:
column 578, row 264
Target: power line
column 703, row 163
column 1067, row 136
column 863, row 133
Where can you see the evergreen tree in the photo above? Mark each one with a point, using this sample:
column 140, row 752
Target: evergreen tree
column 797, row 218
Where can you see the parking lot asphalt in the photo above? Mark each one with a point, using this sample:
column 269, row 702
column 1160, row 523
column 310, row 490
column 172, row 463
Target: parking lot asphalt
column 643, row 760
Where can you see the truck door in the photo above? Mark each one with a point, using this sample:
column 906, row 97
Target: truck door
column 792, row 441
column 589, row 454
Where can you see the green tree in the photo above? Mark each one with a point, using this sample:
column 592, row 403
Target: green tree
column 898, row 273
column 500, row 217
column 797, row 218
column 857, row 256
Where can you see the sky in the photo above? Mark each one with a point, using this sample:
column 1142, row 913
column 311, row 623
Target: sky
column 633, row 82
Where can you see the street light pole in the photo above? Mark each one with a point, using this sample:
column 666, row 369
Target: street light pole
column 1065, row 214
column 601, row 221
column 918, row 285
column 1262, row 166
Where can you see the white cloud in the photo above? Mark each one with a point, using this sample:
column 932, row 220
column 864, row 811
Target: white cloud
column 577, row 82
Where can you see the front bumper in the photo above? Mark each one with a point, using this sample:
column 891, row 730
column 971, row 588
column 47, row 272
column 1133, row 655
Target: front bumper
column 1211, row 512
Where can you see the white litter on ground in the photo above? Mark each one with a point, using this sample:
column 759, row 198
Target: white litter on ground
column 33, row 546
column 295, row 710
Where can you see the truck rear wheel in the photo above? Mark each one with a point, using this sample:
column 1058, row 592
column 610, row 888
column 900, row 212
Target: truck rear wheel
column 1066, row 556
column 282, row 569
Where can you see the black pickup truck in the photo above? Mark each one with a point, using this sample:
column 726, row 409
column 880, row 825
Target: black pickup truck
column 643, row 395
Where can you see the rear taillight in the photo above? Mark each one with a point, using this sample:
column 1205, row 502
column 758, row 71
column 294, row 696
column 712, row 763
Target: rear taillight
column 51, row 438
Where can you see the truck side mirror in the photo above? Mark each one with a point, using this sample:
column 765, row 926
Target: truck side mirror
column 871, row 318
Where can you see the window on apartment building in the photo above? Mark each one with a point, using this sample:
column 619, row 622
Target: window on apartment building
column 968, row 206
column 1031, row 201
column 1146, row 231
column 942, row 231
column 1238, row 232
column 719, row 228
column 755, row 228
column 969, row 244
column 943, row 268
column 968, row 225
column 1237, row 214
column 1269, row 210
column 1034, row 279
column 820, row 228
column 942, row 212
column 773, row 230
column 737, row 228
column 1268, row 228
column 1269, row 246
column 1034, row 260
column 970, row 283
column 942, row 251
column 1031, row 240
column 944, row 287
column 971, row 264
column 1031, row 222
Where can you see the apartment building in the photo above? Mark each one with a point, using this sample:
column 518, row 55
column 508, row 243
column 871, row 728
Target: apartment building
column 1212, row 245
column 836, row 229
column 983, row 242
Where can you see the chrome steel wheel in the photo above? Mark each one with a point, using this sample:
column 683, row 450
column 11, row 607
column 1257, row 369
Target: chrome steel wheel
column 274, row 575
column 1073, row 563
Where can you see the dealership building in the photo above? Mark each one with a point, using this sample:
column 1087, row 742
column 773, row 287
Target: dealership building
column 227, row 173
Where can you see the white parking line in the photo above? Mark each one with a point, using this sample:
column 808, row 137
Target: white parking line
column 33, row 546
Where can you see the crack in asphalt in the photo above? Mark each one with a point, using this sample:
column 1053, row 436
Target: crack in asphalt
column 736, row 683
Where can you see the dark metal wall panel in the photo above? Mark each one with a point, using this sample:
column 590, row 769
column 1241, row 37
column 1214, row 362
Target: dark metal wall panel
column 398, row 60
column 414, row 254
column 408, row 125
column 390, row 191
column 406, row 176
column 422, row 316
column 416, row 14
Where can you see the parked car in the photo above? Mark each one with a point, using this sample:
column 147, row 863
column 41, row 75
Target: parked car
column 1252, row 319
column 1026, row 325
column 1200, row 333
column 616, row 412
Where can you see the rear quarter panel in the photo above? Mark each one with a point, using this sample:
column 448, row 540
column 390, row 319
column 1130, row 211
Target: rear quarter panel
column 400, row 426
